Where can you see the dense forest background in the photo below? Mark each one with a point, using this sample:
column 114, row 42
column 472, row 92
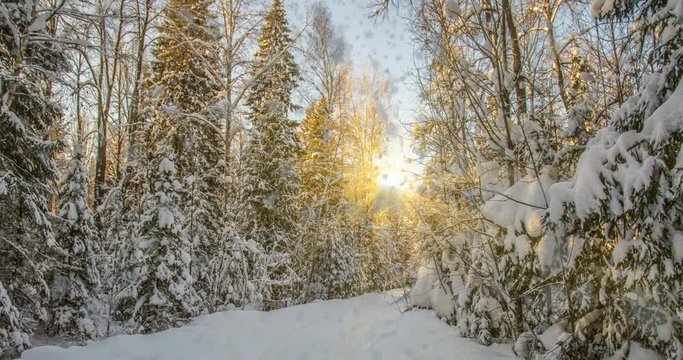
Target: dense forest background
column 151, row 169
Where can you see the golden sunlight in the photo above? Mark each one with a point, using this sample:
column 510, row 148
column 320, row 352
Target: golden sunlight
column 391, row 178
column 393, row 172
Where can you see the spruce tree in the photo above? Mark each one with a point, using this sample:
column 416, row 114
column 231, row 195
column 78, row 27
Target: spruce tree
column 185, row 88
column 623, row 207
column 161, row 293
column 123, row 209
column 270, row 213
column 77, row 235
column 29, row 59
column 271, row 180
column 274, row 70
column 184, row 54
column 12, row 339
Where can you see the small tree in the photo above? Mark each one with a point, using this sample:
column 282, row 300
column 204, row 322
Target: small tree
column 162, row 292
column 77, row 235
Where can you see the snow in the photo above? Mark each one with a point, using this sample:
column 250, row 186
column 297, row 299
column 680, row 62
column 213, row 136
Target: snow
column 601, row 7
column 637, row 352
column 489, row 177
column 166, row 218
column 545, row 250
column 39, row 23
column 157, row 299
column 518, row 205
column 596, row 167
column 185, row 257
column 534, row 223
column 366, row 327
column 71, row 212
column 87, row 326
column 589, row 188
column 667, row 118
column 167, row 166
column 620, row 251
column 677, row 246
column 574, row 247
column 522, row 246
column 665, row 331
column 553, row 337
column 429, row 292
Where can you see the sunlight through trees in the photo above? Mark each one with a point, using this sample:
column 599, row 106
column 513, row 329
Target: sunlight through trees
column 166, row 159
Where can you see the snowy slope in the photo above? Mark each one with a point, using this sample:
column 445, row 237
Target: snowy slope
column 365, row 327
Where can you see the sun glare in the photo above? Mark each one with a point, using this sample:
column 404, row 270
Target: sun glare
column 390, row 179
column 392, row 173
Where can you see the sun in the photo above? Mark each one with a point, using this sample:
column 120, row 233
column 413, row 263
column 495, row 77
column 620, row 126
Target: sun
column 390, row 179
column 394, row 168
column 392, row 172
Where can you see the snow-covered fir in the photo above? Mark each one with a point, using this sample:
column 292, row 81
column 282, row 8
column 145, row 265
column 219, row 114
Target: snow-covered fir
column 76, row 289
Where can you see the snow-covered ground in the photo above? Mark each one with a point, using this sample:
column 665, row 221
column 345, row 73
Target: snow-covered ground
column 366, row 327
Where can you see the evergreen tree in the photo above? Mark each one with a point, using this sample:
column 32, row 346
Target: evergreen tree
column 162, row 292
column 77, row 235
column 123, row 209
column 185, row 87
column 271, row 180
column 270, row 213
column 12, row 338
column 29, row 58
column 623, row 208
column 185, row 54
column 274, row 70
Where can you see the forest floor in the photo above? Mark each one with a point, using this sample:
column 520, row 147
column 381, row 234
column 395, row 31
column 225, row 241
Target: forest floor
column 373, row 326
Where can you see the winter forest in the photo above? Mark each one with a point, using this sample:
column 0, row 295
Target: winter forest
column 170, row 165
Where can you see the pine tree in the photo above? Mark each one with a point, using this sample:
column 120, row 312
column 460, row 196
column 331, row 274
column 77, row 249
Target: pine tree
column 77, row 235
column 29, row 58
column 186, row 88
column 185, row 54
column 271, row 180
column 270, row 213
column 123, row 209
column 624, row 207
column 274, row 70
column 162, row 292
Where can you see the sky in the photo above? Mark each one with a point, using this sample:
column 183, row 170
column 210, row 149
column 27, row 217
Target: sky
column 384, row 42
